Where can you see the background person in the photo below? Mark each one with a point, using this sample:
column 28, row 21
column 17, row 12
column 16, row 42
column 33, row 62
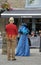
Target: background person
column 40, row 40
column 11, row 34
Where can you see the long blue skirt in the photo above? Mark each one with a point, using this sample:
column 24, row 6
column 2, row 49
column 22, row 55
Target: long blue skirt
column 23, row 48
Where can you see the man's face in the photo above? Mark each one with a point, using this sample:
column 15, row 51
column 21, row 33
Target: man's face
column 40, row 34
column 25, row 20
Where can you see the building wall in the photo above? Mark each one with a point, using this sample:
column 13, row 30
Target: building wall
column 1, row 1
column 22, row 3
column 2, row 24
column 17, row 3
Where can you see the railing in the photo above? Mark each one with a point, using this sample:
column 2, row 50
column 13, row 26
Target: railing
column 35, row 41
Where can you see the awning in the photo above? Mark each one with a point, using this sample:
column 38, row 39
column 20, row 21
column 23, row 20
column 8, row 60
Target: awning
column 22, row 14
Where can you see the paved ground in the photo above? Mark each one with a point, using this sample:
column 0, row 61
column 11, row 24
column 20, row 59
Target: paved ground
column 34, row 59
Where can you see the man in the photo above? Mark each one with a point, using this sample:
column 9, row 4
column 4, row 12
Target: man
column 11, row 34
column 40, row 40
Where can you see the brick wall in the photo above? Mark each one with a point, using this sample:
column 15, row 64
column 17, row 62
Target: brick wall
column 17, row 3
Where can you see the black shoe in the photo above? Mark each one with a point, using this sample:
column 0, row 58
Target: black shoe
column 13, row 59
column 8, row 59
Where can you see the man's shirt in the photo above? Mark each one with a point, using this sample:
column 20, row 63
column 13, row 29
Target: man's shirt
column 11, row 30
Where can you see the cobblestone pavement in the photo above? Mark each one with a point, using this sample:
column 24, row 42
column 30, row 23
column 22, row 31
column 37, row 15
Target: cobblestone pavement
column 33, row 59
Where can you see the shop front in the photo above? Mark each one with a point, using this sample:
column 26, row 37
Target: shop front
column 33, row 18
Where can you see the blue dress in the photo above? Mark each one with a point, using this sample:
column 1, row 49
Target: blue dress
column 23, row 48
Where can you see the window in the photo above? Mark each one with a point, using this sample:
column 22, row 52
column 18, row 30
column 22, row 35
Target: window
column 33, row 3
column 28, row 2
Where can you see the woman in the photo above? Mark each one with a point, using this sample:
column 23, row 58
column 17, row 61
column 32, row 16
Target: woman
column 23, row 44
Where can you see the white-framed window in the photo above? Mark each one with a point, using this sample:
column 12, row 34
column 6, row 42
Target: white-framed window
column 33, row 3
column 29, row 2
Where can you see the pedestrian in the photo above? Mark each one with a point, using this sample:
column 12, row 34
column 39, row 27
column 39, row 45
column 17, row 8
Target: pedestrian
column 11, row 35
column 29, row 41
column 23, row 48
column 40, row 40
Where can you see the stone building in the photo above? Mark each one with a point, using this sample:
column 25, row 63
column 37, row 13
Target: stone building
column 23, row 3
column 15, row 3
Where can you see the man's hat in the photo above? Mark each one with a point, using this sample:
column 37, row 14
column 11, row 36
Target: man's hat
column 11, row 19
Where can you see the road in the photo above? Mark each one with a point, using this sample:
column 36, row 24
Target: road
column 33, row 59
